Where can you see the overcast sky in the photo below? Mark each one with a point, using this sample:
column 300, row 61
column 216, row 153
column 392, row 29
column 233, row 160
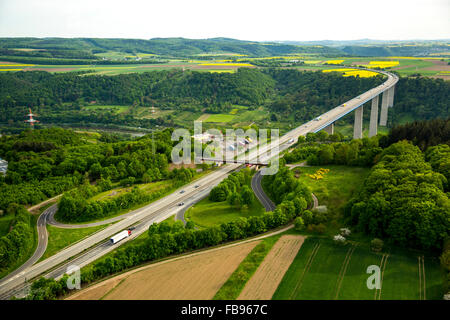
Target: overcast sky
column 259, row 20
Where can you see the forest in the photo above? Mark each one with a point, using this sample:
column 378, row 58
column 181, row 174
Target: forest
column 61, row 98
column 19, row 240
column 403, row 199
column 44, row 163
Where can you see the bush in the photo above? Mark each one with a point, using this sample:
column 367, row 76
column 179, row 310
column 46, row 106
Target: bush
column 317, row 228
column 339, row 239
column 376, row 245
column 299, row 224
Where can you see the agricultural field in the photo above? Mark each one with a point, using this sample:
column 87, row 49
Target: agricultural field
column 207, row 213
column 113, row 109
column 196, row 276
column 239, row 116
column 219, row 118
column 270, row 272
column 232, row 288
column 327, row 271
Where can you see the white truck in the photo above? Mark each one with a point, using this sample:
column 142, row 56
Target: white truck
column 120, row 236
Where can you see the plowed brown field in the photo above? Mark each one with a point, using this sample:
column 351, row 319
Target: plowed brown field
column 198, row 276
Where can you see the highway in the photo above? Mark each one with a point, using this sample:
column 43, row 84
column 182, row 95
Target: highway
column 97, row 245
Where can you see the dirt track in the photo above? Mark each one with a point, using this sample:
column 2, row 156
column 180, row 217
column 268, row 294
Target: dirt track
column 264, row 282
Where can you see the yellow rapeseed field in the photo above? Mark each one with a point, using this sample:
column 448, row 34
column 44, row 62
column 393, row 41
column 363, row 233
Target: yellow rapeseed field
column 348, row 72
column 382, row 64
column 228, row 64
column 221, row 71
column 334, row 61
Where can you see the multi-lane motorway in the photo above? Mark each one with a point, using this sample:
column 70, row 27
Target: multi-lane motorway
column 97, row 245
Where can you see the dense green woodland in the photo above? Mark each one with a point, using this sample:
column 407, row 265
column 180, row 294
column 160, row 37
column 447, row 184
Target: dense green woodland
column 403, row 199
column 422, row 133
column 289, row 94
column 44, row 163
column 19, row 240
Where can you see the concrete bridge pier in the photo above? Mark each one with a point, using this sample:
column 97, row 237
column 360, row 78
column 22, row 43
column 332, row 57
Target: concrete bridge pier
column 358, row 125
column 329, row 129
column 373, row 128
column 391, row 97
column 384, row 108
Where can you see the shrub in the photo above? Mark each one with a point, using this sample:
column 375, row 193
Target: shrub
column 317, row 228
column 339, row 239
column 345, row 232
column 376, row 245
column 299, row 224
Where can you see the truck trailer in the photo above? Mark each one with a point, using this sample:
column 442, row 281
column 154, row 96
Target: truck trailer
column 120, row 236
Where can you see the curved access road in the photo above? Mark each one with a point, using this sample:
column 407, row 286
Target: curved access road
column 96, row 245
column 260, row 194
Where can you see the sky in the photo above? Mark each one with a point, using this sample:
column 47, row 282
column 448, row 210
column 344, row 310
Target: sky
column 261, row 20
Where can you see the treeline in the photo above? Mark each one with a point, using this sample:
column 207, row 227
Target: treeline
column 359, row 152
column 33, row 192
column 19, row 241
column 422, row 133
column 306, row 94
column 235, row 189
column 43, row 163
column 72, row 61
column 283, row 186
column 420, row 99
column 75, row 205
column 403, row 199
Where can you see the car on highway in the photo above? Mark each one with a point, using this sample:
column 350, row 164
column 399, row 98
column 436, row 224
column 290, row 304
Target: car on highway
column 291, row 140
column 181, row 204
column 196, row 186
column 182, row 191
column 317, row 119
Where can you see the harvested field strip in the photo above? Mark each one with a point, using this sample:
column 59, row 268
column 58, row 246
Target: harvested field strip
column 203, row 117
column 198, row 277
column 343, row 271
column 268, row 276
column 234, row 285
column 194, row 277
